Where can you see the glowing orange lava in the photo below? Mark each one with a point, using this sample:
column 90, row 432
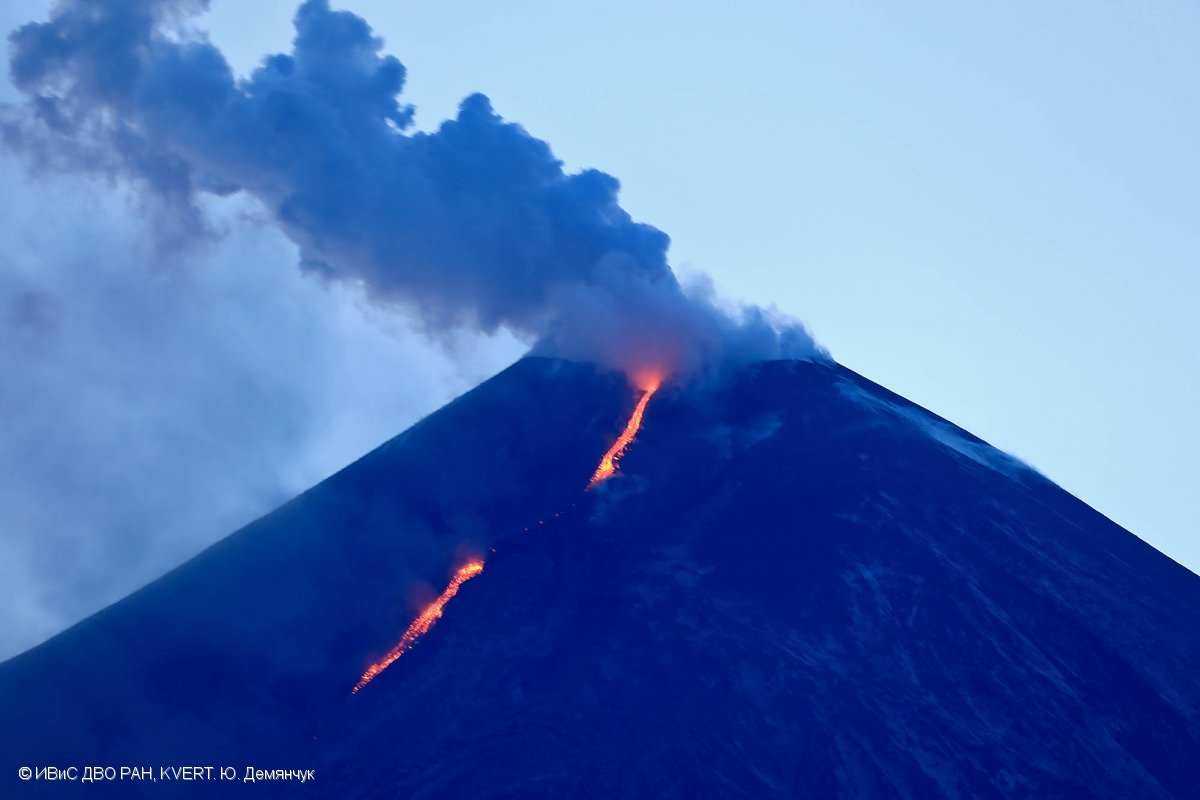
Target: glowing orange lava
column 608, row 464
column 648, row 382
column 421, row 625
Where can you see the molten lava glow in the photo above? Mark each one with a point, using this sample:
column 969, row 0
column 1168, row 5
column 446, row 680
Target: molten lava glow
column 648, row 382
column 608, row 464
column 421, row 625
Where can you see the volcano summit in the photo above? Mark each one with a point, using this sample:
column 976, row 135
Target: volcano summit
column 796, row 584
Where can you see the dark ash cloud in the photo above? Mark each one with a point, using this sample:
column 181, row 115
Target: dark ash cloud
column 475, row 225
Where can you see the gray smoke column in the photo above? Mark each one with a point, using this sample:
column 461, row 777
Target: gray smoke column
column 475, row 225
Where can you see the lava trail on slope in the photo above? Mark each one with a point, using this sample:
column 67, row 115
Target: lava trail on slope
column 421, row 625
column 608, row 463
column 433, row 612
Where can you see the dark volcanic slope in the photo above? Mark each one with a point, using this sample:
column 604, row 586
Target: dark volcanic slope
column 800, row 584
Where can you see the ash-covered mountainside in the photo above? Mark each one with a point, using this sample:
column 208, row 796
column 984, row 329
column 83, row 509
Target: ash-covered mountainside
column 799, row 584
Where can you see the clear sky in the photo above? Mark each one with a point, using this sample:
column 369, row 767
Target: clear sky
column 990, row 210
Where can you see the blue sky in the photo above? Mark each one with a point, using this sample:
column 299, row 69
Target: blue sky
column 989, row 210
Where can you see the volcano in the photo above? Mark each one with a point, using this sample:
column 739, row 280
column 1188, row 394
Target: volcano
column 797, row 583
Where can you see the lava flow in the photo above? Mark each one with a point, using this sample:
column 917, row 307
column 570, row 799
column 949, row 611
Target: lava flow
column 433, row 612
column 608, row 464
column 421, row 625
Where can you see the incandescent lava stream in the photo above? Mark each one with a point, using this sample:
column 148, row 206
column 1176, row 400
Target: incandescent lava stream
column 433, row 612
column 421, row 625
column 608, row 464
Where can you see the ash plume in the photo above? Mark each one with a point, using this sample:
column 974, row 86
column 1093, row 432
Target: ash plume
column 475, row 225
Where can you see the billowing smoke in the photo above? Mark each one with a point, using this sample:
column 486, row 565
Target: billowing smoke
column 475, row 225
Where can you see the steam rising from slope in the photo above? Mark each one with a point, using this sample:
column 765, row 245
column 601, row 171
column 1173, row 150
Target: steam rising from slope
column 475, row 225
